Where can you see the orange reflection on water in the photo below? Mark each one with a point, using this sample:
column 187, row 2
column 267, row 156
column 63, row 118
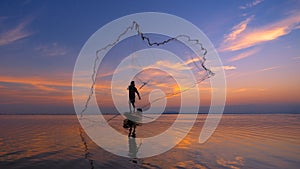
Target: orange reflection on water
column 240, row 141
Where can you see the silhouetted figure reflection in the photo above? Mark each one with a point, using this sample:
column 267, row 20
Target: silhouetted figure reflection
column 133, row 148
column 131, row 125
column 133, row 120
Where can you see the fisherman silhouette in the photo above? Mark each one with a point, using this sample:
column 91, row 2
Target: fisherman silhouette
column 132, row 90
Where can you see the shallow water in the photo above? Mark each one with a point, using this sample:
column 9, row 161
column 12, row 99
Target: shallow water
column 240, row 141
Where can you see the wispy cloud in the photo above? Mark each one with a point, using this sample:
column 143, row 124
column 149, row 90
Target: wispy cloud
column 241, row 90
column 35, row 90
column 16, row 33
column 246, row 90
column 243, row 36
column 238, row 29
column 244, row 55
column 251, row 4
column 39, row 83
column 169, row 65
column 53, row 49
column 223, row 67
column 229, row 67
column 192, row 60
column 295, row 58
column 237, row 75
column 297, row 27
column 269, row 68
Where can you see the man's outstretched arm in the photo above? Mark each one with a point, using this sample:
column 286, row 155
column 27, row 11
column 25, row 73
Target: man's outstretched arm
column 137, row 92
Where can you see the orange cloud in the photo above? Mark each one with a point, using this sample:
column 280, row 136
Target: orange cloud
column 244, row 37
column 238, row 29
column 243, row 55
column 214, row 69
column 174, row 66
column 30, row 94
column 229, row 67
column 35, row 90
column 35, row 81
column 192, row 60
column 241, row 90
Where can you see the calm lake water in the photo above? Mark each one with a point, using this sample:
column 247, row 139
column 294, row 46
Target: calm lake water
column 240, row 141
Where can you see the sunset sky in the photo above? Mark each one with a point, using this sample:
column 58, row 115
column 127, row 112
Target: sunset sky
column 258, row 42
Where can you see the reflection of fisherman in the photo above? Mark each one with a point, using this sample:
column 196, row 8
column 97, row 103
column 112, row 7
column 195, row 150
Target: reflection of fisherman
column 132, row 90
column 132, row 121
column 133, row 149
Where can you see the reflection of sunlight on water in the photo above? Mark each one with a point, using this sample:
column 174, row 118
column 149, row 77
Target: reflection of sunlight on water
column 240, row 141
column 237, row 163
column 189, row 164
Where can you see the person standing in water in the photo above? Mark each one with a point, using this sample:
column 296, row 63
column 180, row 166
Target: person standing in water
column 132, row 90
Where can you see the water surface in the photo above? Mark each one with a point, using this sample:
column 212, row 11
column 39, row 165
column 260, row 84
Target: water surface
column 240, row 141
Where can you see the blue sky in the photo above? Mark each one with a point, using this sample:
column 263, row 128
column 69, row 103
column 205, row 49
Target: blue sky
column 258, row 43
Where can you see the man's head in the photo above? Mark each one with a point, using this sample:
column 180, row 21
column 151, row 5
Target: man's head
column 132, row 83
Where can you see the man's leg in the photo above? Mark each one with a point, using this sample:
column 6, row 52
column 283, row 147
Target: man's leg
column 129, row 103
column 132, row 102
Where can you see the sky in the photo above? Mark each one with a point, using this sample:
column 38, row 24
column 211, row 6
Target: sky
column 257, row 41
